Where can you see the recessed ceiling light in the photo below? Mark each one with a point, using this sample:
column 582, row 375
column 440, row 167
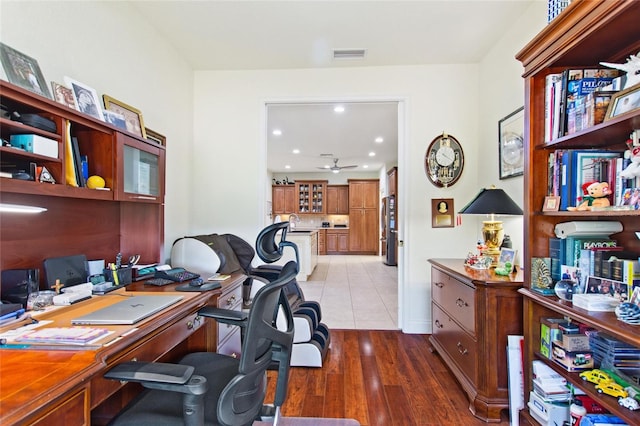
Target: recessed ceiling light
column 379, row 139
column 296, row 151
column 372, row 154
column 277, row 132
column 287, row 166
column 339, row 109
column 366, row 166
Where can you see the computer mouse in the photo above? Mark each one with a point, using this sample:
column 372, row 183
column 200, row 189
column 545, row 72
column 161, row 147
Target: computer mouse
column 196, row 282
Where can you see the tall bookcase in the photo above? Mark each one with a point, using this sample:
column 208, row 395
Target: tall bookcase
column 584, row 34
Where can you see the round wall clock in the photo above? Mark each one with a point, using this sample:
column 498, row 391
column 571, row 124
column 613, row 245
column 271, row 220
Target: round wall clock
column 444, row 161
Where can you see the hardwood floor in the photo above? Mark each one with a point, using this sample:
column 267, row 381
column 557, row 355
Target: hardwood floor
column 381, row 377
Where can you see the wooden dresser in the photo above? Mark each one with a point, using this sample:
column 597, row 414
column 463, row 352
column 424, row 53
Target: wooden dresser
column 473, row 312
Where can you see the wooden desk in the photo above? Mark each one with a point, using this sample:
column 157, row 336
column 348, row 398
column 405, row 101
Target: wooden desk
column 46, row 387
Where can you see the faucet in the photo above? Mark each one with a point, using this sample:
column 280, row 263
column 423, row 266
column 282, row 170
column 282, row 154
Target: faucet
column 293, row 220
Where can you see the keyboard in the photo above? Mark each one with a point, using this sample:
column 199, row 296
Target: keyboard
column 159, row 282
column 177, row 275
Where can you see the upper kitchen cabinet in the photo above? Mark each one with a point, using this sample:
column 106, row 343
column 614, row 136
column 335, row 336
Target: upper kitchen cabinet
column 337, row 199
column 311, row 196
column 283, row 199
column 363, row 194
column 364, row 216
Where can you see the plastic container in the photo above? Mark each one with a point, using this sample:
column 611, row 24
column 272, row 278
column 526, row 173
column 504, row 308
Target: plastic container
column 577, row 412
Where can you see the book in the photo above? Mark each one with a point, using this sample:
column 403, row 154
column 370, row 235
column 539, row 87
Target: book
column 218, row 277
column 551, row 111
column 574, row 245
column 557, row 256
column 77, row 160
column 63, row 335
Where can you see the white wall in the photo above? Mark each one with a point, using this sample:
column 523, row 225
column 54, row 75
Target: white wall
column 109, row 47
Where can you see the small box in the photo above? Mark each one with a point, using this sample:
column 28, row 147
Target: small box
column 548, row 413
column 575, row 342
column 573, row 361
column 591, row 405
column 569, row 327
column 36, row 144
column 549, row 332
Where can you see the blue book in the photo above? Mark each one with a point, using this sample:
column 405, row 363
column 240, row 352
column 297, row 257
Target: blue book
column 565, row 179
column 557, row 255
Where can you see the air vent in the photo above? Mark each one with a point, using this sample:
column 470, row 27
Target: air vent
column 326, row 155
column 348, row 53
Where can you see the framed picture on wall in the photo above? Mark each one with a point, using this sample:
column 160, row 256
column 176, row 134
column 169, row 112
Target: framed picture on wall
column 442, row 212
column 132, row 116
column 511, row 144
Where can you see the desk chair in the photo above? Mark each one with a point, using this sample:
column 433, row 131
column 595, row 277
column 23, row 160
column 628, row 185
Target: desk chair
column 214, row 389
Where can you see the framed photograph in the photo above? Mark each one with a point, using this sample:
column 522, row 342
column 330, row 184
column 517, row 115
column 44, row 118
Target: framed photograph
column 87, row 99
column 132, row 116
column 511, row 144
column 624, row 101
column 551, row 203
column 62, row 94
column 115, row 119
column 442, row 212
column 507, row 259
column 23, row 71
column 155, row 137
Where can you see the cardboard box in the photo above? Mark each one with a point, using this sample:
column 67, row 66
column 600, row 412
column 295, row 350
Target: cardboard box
column 36, row 144
column 548, row 413
column 549, row 331
column 572, row 361
column 574, row 342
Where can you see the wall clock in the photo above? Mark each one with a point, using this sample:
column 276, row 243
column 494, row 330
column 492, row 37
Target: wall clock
column 444, row 161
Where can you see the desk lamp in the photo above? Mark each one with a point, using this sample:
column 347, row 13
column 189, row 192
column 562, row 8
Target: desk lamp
column 492, row 201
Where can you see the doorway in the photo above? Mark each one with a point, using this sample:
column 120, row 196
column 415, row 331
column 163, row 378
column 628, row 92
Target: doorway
column 336, row 142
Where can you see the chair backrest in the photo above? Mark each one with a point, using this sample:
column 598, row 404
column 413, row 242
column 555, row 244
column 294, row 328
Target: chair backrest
column 267, row 247
column 242, row 399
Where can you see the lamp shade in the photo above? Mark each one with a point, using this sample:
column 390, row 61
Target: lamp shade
column 492, row 201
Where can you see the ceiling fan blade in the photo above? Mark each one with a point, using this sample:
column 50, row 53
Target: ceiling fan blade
column 347, row 167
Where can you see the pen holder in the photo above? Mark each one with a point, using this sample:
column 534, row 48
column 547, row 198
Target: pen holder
column 124, row 275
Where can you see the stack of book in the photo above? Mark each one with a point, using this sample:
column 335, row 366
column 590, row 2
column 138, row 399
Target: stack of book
column 573, row 102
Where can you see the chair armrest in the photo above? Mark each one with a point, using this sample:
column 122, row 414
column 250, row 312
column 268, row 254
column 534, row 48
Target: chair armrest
column 135, row 371
column 225, row 316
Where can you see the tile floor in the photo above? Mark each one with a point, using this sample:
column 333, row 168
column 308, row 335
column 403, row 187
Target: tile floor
column 355, row 292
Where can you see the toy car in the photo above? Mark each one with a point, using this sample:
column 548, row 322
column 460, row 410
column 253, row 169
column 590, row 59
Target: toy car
column 611, row 388
column 629, row 403
column 595, row 376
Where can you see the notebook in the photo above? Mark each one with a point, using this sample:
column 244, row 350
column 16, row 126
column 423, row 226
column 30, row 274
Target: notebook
column 128, row 311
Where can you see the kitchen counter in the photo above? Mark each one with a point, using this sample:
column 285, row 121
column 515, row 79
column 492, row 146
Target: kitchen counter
column 307, row 242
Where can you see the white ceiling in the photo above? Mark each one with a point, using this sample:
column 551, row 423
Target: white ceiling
column 234, row 35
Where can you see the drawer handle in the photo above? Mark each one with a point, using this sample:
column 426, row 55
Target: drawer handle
column 231, row 300
column 439, row 324
column 462, row 349
column 461, row 303
column 439, row 284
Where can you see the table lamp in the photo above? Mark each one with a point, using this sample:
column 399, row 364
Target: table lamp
column 492, row 201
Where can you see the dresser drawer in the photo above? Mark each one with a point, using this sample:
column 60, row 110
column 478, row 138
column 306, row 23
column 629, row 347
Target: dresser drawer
column 233, row 301
column 455, row 298
column 460, row 345
column 232, row 346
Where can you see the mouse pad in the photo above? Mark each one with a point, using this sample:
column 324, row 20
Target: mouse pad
column 204, row 287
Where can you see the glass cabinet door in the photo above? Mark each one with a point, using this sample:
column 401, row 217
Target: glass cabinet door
column 140, row 170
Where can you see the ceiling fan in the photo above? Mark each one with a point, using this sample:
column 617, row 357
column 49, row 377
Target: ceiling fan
column 335, row 168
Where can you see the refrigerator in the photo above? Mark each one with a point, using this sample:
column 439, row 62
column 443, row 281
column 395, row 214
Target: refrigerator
column 390, row 230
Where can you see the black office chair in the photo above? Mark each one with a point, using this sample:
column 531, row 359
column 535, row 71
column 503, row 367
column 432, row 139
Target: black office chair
column 217, row 389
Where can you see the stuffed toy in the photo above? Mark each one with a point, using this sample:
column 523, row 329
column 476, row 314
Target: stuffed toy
column 633, row 169
column 596, row 195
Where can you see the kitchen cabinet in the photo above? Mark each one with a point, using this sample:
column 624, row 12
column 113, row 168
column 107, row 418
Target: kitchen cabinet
column 364, row 216
column 322, row 241
column 283, row 199
column 337, row 241
column 583, row 35
column 473, row 311
column 311, row 196
column 337, row 199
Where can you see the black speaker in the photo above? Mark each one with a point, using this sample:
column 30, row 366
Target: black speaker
column 17, row 284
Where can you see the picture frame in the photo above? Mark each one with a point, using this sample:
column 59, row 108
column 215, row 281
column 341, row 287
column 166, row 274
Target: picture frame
column 511, row 144
column 624, row 101
column 63, row 95
column 23, row 70
column 155, row 137
column 87, row 100
column 442, row 213
column 132, row 116
column 507, row 255
column 551, row 203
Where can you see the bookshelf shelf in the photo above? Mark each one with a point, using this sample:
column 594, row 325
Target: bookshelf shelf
column 583, row 35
